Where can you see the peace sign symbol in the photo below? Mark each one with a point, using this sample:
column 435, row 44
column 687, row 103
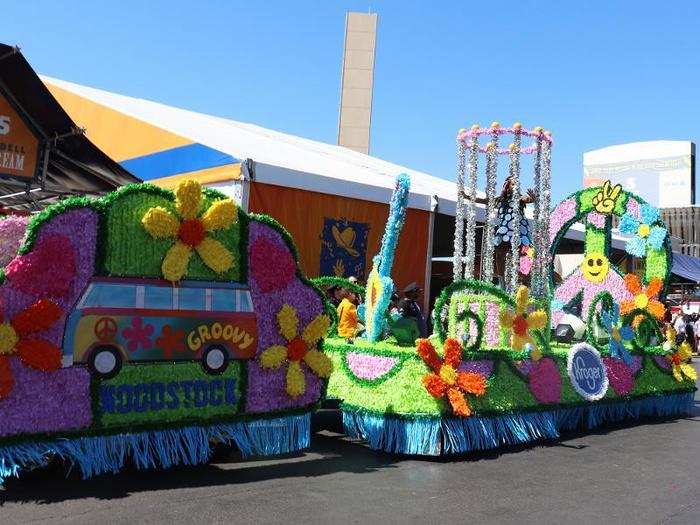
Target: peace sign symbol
column 604, row 200
column 105, row 328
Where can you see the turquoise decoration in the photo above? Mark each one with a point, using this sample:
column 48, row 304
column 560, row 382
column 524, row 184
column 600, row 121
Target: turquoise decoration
column 380, row 287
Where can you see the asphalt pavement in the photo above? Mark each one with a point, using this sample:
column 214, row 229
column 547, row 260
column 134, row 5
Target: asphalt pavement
column 648, row 473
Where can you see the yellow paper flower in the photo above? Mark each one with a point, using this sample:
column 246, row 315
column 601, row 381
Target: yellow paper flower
column 189, row 230
column 521, row 323
column 678, row 357
column 298, row 349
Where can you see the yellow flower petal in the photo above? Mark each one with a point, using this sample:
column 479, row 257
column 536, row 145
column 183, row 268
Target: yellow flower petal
column 506, row 318
column 176, row 260
column 288, row 321
column 273, row 356
column 296, row 383
column 316, row 329
column 535, row 353
column 220, row 215
column 215, row 255
column 688, row 371
column 522, row 297
column 319, row 362
column 677, row 373
column 684, row 351
column 188, row 197
column 160, row 223
column 517, row 342
column 537, row 320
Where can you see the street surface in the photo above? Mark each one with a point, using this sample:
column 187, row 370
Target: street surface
column 624, row 474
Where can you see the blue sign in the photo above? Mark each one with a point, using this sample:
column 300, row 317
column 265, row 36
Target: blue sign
column 587, row 372
column 343, row 248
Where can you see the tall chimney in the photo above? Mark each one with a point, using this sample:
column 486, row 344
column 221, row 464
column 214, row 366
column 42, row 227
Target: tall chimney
column 357, row 81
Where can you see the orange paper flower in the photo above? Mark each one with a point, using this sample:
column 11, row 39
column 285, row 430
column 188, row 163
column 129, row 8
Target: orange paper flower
column 643, row 299
column 446, row 380
column 16, row 337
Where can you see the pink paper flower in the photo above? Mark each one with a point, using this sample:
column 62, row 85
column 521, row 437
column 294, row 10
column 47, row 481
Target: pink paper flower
column 138, row 335
column 545, row 382
column 619, row 375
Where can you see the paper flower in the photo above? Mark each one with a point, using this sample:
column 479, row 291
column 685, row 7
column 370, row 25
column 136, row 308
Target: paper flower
column 138, row 334
column 645, row 234
column 16, row 337
column 298, row 349
column 527, row 254
column 171, row 341
column 521, row 323
column 190, row 231
column 446, row 380
column 643, row 299
column 678, row 357
column 619, row 335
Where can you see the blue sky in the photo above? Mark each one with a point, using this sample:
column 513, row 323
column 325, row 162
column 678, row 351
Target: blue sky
column 593, row 72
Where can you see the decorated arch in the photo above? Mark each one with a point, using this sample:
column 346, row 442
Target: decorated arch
column 597, row 280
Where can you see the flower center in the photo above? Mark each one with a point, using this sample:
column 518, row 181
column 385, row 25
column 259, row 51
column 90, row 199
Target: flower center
column 191, row 232
column 641, row 301
column 296, row 349
column 643, row 230
column 8, row 338
column 520, row 325
column 448, row 374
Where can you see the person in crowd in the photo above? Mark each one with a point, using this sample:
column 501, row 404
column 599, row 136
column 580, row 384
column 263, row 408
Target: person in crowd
column 679, row 324
column 696, row 329
column 347, row 316
column 334, row 296
column 409, row 307
column 394, row 311
column 690, row 332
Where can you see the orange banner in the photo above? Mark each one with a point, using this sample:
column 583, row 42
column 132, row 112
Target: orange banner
column 19, row 148
column 345, row 230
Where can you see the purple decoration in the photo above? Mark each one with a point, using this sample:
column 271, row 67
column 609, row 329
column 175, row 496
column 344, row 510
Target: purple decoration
column 565, row 211
column 368, row 366
column 634, row 209
column 11, row 234
column 493, row 327
column 80, row 226
column 636, row 365
column 46, row 401
column 662, row 362
column 266, row 388
column 524, row 366
column 596, row 219
column 483, row 367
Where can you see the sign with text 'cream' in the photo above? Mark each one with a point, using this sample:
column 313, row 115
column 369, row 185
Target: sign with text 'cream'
column 19, row 147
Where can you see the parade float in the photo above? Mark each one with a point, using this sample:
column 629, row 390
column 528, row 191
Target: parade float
column 501, row 367
column 146, row 325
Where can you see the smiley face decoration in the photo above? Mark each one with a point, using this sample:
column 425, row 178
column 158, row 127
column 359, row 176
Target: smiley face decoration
column 595, row 267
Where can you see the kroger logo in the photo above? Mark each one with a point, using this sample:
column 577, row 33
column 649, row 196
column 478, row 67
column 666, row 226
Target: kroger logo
column 587, row 372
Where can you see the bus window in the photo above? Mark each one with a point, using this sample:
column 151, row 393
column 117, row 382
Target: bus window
column 223, row 300
column 158, row 297
column 244, row 302
column 192, row 299
column 111, row 296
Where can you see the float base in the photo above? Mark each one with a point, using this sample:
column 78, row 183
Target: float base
column 430, row 436
column 161, row 449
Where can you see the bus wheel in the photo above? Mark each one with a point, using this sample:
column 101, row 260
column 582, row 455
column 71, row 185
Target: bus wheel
column 105, row 362
column 215, row 360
